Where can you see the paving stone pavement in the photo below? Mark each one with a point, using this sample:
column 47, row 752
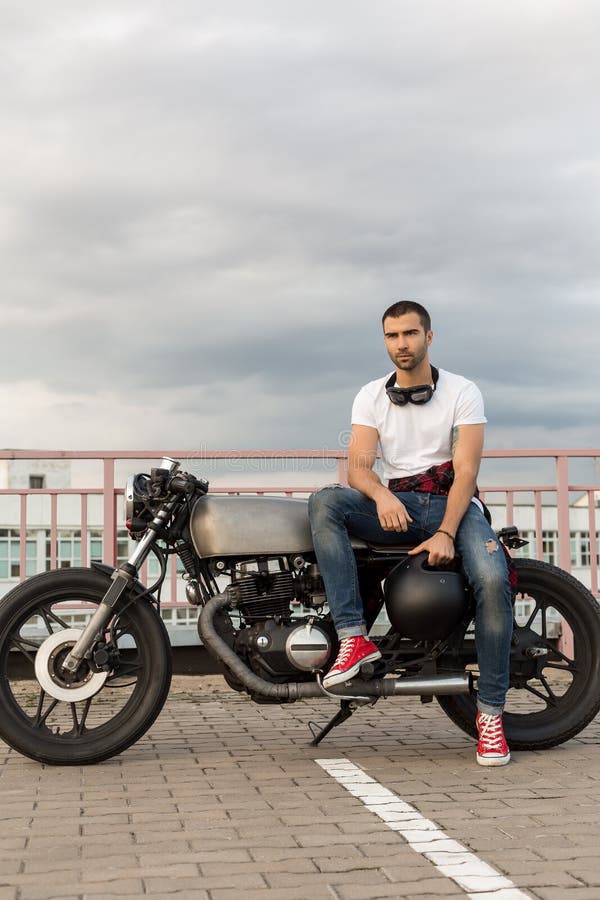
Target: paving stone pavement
column 222, row 799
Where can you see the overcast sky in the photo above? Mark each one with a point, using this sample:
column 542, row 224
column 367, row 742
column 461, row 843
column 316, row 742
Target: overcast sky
column 206, row 206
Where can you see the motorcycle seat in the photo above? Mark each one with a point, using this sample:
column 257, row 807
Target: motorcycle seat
column 382, row 548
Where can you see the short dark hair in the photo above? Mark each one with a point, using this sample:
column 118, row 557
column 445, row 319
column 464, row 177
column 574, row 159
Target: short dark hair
column 402, row 307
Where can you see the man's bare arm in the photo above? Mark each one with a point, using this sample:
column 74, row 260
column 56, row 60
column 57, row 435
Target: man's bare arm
column 466, row 458
column 362, row 454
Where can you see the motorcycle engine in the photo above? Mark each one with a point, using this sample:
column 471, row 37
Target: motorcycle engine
column 277, row 649
column 262, row 594
column 275, row 644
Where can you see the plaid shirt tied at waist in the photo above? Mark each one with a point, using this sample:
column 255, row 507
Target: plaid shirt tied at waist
column 436, row 480
column 439, row 480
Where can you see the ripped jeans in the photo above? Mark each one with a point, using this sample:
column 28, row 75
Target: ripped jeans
column 336, row 512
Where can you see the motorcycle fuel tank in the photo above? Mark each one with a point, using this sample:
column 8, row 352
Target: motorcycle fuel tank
column 248, row 526
column 242, row 526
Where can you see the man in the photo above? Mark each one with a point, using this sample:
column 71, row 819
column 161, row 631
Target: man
column 425, row 421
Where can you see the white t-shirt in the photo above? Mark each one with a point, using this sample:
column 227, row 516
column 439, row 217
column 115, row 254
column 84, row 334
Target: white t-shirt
column 414, row 438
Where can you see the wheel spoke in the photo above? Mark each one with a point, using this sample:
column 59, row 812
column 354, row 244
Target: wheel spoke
column 22, row 643
column 556, row 652
column 46, row 618
column 551, row 693
column 549, row 700
column 40, row 705
column 52, row 615
column 41, row 719
column 79, row 724
column 85, row 712
column 556, row 665
column 126, row 668
column 536, row 609
column 544, row 623
column 118, row 632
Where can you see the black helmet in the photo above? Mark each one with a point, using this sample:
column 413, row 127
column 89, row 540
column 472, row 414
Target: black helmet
column 424, row 603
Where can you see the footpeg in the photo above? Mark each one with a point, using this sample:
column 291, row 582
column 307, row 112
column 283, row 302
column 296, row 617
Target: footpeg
column 340, row 696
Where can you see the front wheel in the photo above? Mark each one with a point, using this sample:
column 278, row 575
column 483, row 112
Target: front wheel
column 554, row 693
column 110, row 703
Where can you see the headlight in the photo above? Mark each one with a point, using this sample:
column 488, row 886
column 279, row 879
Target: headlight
column 134, row 503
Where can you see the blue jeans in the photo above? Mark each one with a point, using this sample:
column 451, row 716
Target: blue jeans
column 337, row 512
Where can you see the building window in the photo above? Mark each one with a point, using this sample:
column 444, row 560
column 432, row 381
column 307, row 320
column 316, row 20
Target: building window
column 123, row 545
column 580, row 549
column 574, row 542
column 37, row 481
column 68, row 550
column 10, row 554
column 586, row 555
column 550, row 546
column 95, row 554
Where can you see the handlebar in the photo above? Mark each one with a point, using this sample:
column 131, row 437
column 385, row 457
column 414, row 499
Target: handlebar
column 176, row 482
column 185, row 483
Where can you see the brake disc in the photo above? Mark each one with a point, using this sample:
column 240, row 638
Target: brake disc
column 57, row 683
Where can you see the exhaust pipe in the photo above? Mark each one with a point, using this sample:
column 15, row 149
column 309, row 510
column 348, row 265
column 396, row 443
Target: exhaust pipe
column 460, row 683
column 286, row 693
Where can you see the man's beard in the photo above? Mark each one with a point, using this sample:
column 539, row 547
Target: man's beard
column 410, row 361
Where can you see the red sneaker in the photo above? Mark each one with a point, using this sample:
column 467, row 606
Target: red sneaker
column 492, row 749
column 354, row 651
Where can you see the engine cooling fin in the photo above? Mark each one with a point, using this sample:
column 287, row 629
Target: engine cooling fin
column 263, row 596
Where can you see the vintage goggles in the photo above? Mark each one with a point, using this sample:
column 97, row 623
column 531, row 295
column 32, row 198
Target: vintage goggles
column 418, row 394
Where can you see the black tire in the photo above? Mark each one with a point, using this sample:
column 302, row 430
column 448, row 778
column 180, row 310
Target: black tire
column 553, row 699
column 91, row 730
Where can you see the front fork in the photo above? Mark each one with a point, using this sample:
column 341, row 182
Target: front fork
column 122, row 578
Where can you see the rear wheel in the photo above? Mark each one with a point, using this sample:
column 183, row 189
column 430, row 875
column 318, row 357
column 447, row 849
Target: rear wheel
column 110, row 703
column 553, row 693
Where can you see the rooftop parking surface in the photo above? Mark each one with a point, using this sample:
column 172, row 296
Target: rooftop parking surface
column 225, row 799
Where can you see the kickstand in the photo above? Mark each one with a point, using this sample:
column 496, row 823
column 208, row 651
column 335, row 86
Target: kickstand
column 347, row 708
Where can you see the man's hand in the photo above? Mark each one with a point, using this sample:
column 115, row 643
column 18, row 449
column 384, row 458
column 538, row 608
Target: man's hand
column 440, row 547
column 392, row 513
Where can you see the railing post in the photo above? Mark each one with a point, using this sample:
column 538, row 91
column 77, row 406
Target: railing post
column 538, row 526
column 562, row 507
column 593, row 542
column 110, row 531
column 343, row 469
column 84, row 531
column 53, row 530
column 565, row 643
column 510, row 508
column 23, row 538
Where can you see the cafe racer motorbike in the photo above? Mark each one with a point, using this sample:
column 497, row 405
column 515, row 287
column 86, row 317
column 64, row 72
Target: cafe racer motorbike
column 85, row 659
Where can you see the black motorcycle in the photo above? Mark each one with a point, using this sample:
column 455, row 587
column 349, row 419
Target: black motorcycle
column 85, row 659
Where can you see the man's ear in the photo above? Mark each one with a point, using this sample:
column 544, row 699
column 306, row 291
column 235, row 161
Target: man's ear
column 429, row 337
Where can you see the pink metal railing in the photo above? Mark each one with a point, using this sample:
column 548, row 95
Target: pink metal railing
column 110, row 492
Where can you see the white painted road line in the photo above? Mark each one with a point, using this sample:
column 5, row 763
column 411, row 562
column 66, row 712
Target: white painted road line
column 478, row 879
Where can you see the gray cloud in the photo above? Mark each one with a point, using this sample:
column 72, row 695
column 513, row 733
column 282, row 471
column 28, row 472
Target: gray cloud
column 206, row 208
